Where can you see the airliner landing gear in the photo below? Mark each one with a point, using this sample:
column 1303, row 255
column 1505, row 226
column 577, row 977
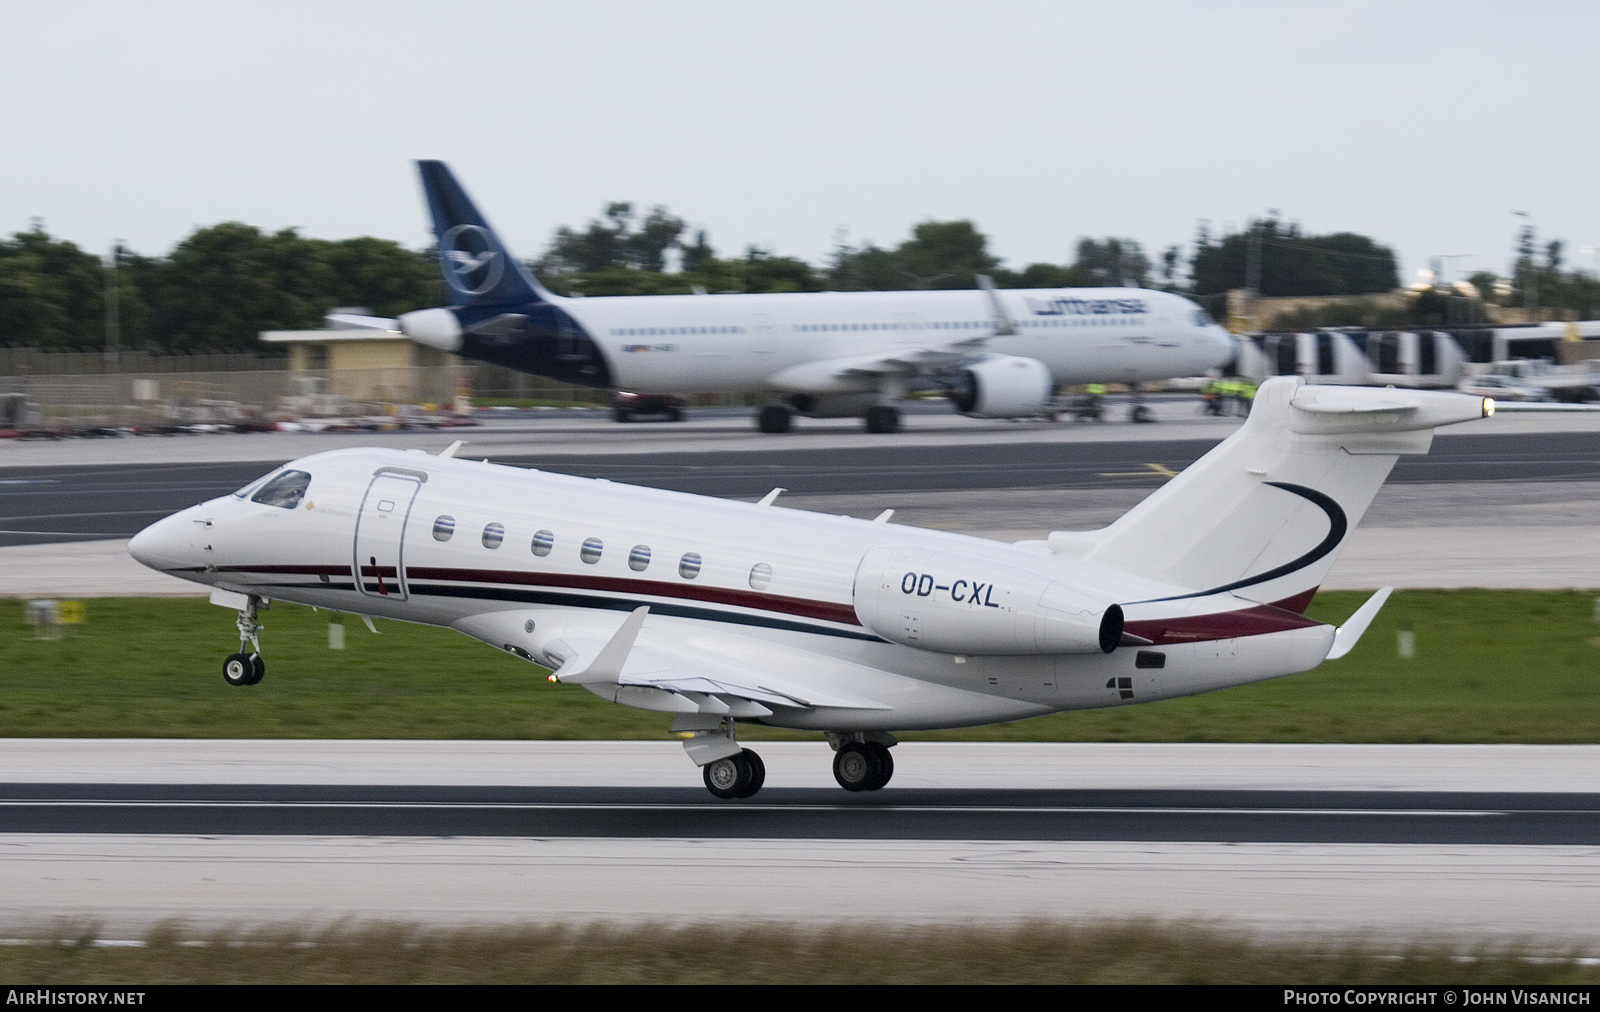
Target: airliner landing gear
column 862, row 762
column 882, row 418
column 1139, row 412
column 736, row 776
column 246, row 668
column 774, row 418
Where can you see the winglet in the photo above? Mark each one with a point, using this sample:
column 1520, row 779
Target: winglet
column 607, row 664
column 1348, row 635
column 1003, row 327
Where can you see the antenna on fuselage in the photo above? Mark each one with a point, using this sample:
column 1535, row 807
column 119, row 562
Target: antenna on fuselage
column 771, row 497
column 450, row 451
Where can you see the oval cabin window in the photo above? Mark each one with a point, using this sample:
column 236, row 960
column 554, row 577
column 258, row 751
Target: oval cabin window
column 543, row 541
column 590, row 552
column 639, row 558
column 760, row 576
column 689, row 565
column 443, row 528
column 493, row 534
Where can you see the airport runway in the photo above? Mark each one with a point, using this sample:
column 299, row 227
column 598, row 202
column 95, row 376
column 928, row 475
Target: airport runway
column 997, row 814
column 46, row 504
column 1380, row 839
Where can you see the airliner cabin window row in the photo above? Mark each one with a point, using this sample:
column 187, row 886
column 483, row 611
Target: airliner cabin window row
column 639, row 558
column 590, row 552
column 443, row 528
column 493, row 534
column 689, row 565
column 543, row 541
column 284, row 491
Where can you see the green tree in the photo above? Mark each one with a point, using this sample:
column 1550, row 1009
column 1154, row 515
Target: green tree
column 1343, row 263
column 52, row 294
column 1111, row 263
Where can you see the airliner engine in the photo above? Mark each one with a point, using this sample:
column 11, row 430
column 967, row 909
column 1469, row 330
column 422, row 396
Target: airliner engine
column 1002, row 386
column 965, row 604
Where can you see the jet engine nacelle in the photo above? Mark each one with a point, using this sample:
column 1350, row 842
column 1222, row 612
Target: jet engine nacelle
column 1002, row 386
column 965, row 604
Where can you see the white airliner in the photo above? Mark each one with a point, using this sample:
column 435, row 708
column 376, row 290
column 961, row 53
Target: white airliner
column 720, row 612
column 997, row 354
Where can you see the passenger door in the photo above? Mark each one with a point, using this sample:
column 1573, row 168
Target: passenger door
column 379, row 557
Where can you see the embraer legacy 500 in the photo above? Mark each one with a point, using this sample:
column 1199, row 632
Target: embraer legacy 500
column 721, row 612
column 996, row 354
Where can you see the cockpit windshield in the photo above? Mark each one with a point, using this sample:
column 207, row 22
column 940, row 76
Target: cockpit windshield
column 245, row 492
column 1203, row 318
column 286, row 490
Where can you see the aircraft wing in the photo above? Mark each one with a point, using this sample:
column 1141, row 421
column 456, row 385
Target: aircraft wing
column 658, row 671
column 355, row 321
column 828, row 374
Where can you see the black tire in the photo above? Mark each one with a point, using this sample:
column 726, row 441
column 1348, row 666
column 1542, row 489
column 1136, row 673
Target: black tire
column 1141, row 414
column 258, row 667
column 881, row 419
column 885, row 766
column 622, row 414
column 239, row 669
column 773, row 419
column 674, row 414
column 729, row 777
column 758, row 773
column 858, row 766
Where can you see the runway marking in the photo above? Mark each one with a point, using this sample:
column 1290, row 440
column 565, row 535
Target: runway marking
column 1161, row 471
column 922, row 809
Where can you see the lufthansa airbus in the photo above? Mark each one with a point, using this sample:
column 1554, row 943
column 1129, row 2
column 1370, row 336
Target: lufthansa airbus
column 995, row 354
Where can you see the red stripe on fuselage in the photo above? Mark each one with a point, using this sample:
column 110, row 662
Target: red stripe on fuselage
column 1255, row 621
column 1222, row 625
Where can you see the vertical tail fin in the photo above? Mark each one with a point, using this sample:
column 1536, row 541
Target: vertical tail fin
column 477, row 267
column 1265, row 513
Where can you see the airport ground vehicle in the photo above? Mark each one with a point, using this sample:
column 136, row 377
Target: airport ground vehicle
column 627, row 406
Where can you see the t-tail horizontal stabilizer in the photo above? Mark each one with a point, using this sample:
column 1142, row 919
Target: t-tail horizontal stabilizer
column 1348, row 635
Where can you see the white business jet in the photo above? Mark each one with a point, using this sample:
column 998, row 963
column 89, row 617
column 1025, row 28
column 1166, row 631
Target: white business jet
column 996, row 354
column 723, row 612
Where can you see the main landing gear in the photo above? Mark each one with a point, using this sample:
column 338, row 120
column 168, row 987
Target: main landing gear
column 861, row 760
column 246, row 668
column 736, row 776
column 774, row 418
column 881, row 419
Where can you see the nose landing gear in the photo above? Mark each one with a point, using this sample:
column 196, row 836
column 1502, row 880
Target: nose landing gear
column 246, row 668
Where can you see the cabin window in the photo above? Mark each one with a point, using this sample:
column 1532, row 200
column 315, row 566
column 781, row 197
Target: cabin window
column 493, row 534
column 590, row 552
column 443, row 528
column 543, row 541
column 689, row 565
column 285, row 491
column 760, row 576
column 639, row 558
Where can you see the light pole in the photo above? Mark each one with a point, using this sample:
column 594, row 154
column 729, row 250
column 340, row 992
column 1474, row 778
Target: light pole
column 1530, row 275
column 113, row 313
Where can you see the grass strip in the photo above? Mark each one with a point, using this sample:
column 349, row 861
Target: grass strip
column 1133, row 952
column 1489, row 666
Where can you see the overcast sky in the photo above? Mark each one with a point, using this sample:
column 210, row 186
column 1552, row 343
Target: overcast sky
column 1424, row 125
